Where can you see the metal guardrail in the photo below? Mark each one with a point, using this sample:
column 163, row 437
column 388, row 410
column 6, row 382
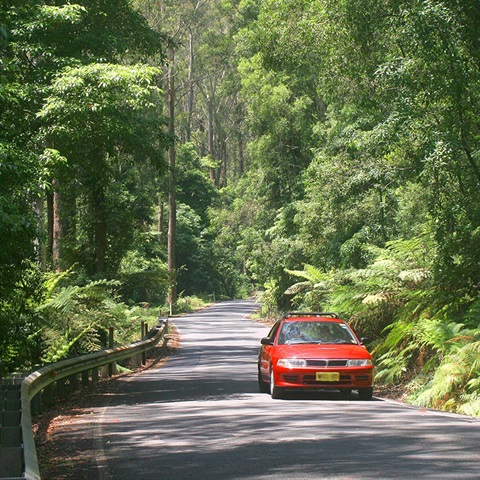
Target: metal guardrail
column 37, row 381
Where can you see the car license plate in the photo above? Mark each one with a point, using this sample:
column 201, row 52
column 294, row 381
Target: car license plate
column 328, row 377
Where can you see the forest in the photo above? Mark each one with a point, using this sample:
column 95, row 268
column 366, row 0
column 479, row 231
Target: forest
column 323, row 155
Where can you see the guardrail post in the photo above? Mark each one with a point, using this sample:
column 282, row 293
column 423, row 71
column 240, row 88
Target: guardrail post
column 146, row 336
column 110, row 345
column 94, row 374
column 61, row 387
column 48, row 395
column 85, row 378
column 165, row 326
column 72, row 383
column 144, row 355
column 36, row 404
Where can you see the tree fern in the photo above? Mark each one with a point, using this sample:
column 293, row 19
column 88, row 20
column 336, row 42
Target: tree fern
column 310, row 273
column 77, row 318
column 456, row 381
column 310, row 294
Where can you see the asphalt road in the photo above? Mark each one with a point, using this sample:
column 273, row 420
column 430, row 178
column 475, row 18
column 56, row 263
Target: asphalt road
column 201, row 417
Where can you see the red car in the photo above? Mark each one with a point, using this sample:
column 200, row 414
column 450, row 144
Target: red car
column 314, row 351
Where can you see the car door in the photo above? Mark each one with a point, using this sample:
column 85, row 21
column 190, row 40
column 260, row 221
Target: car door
column 265, row 354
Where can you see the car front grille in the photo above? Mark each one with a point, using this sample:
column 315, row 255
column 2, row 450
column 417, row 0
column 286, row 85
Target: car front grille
column 311, row 380
column 326, row 363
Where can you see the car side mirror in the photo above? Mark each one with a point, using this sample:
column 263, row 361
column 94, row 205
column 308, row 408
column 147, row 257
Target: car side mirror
column 364, row 340
column 266, row 341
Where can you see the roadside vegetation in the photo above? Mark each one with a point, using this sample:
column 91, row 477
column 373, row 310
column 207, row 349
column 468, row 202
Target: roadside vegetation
column 324, row 154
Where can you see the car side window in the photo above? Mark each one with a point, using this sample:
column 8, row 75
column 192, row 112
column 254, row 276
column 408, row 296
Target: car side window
column 291, row 333
column 273, row 332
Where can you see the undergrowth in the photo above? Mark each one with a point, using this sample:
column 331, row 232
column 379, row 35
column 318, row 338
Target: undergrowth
column 77, row 316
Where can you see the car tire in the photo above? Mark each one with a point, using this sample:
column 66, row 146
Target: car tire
column 263, row 387
column 275, row 392
column 365, row 393
column 345, row 393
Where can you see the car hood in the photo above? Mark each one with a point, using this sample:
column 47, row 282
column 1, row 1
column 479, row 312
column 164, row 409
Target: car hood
column 323, row 351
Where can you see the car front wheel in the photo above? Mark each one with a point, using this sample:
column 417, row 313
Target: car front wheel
column 345, row 393
column 262, row 386
column 365, row 393
column 275, row 392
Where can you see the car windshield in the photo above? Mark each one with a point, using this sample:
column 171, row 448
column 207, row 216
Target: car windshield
column 294, row 332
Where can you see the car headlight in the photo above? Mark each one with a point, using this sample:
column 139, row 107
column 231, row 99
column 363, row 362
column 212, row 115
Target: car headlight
column 291, row 362
column 359, row 363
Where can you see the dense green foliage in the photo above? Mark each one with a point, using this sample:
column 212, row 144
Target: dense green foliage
column 366, row 169
column 80, row 115
column 327, row 155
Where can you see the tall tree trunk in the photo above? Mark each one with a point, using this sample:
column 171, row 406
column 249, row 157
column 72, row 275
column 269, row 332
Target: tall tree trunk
column 50, row 221
column 160, row 217
column 42, row 239
column 100, row 226
column 59, row 227
column 210, row 138
column 172, row 211
column 60, row 224
column 241, row 165
column 224, row 162
column 190, row 87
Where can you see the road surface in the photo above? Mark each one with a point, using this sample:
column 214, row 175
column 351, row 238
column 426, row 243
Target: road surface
column 201, row 417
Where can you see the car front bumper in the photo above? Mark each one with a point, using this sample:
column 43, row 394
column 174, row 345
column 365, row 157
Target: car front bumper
column 351, row 378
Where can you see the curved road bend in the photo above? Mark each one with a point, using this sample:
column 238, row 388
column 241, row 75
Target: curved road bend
column 201, row 417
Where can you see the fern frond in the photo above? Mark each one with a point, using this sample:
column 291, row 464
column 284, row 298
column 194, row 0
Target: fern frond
column 374, row 299
column 416, row 276
column 472, row 316
column 471, row 406
column 62, row 350
column 297, row 287
column 63, row 302
column 315, row 274
column 310, row 273
column 53, row 280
